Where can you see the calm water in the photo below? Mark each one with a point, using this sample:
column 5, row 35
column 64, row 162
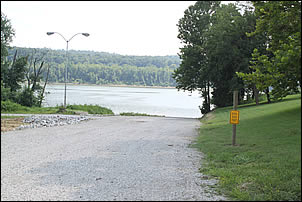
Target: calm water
column 155, row 101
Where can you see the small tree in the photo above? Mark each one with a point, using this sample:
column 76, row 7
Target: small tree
column 7, row 34
column 34, row 75
column 13, row 75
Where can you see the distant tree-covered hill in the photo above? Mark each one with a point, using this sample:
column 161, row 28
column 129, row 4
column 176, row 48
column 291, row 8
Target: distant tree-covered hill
column 105, row 68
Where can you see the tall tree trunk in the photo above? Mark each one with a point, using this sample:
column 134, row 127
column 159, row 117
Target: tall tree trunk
column 205, row 96
column 209, row 99
column 256, row 93
column 10, row 70
column 36, row 76
column 41, row 95
column 268, row 95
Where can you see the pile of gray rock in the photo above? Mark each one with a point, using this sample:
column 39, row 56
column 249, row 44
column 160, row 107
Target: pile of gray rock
column 38, row 121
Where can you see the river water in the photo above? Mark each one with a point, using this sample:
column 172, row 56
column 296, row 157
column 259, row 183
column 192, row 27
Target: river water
column 153, row 101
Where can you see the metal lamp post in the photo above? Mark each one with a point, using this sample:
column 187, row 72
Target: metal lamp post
column 67, row 41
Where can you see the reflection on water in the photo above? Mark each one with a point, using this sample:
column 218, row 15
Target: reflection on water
column 156, row 101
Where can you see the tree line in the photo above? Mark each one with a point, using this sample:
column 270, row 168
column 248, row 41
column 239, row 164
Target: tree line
column 252, row 48
column 105, row 68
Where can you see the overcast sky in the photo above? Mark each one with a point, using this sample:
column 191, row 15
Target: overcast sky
column 122, row 27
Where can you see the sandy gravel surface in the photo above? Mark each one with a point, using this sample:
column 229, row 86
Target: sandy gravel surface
column 109, row 158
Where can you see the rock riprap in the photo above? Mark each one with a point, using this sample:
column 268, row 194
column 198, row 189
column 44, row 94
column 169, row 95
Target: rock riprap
column 37, row 121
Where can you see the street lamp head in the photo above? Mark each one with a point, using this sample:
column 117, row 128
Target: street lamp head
column 50, row 33
column 85, row 34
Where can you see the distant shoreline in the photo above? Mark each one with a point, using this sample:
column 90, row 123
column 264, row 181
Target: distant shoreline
column 113, row 85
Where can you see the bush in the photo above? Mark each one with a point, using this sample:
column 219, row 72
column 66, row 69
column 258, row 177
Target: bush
column 9, row 106
column 27, row 98
column 5, row 93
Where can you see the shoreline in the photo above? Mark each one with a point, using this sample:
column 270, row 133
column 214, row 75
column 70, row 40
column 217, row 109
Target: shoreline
column 112, row 85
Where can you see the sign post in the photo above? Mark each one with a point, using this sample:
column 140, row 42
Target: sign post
column 234, row 116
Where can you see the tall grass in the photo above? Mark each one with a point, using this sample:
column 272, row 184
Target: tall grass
column 10, row 107
column 266, row 163
column 91, row 109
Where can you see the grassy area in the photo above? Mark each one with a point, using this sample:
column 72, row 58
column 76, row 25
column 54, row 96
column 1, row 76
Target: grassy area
column 13, row 108
column 91, row 109
column 266, row 163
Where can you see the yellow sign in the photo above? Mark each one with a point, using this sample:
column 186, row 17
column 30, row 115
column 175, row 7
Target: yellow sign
column 234, row 117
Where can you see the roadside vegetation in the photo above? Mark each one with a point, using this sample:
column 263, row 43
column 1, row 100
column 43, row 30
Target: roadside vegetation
column 91, row 109
column 266, row 162
column 9, row 107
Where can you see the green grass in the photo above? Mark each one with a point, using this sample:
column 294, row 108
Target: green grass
column 266, row 163
column 8, row 107
column 91, row 109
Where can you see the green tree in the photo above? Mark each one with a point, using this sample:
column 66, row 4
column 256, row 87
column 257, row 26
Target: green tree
column 280, row 66
column 229, row 51
column 14, row 71
column 33, row 74
column 13, row 75
column 216, row 46
column 192, row 72
column 7, row 34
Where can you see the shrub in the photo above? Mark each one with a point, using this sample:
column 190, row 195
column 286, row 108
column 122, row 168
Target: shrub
column 5, row 93
column 27, row 98
column 9, row 106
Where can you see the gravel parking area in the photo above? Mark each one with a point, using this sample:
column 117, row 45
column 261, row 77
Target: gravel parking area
column 106, row 158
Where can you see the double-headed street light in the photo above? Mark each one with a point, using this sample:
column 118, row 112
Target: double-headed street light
column 65, row 79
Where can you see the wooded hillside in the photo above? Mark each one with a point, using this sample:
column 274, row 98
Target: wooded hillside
column 106, row 68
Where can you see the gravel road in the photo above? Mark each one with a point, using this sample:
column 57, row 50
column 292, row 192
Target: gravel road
column 107, row 158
